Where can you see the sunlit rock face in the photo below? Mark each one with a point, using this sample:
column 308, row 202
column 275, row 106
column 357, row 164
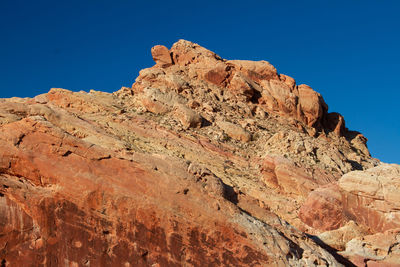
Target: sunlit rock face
column 203, row 161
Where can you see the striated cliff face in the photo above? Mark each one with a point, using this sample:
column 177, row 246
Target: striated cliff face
column 202, row 162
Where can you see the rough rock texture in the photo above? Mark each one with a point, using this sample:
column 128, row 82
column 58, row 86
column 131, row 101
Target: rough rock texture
column 371, row 198
column 202, row 162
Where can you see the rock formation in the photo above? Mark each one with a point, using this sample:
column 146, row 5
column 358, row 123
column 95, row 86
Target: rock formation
column 202, row 162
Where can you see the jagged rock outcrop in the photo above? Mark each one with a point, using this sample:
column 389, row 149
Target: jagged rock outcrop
column 203, row 161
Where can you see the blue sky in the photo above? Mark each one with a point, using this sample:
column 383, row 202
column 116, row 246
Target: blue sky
column 349, row 51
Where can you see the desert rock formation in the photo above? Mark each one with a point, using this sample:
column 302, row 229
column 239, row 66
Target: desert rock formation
column 201, row 162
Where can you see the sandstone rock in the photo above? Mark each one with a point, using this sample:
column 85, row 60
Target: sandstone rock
column 279, row 97
column 234, row 131
column 369, row 197
column 185, row 52
column 84, row 198
column 282, row 173
column 323, row 209
column 187, row 117
column 255, row 70
column 338, row 238
column 239, row 85
column 312, row 105
column 288, row 80
column 218, row 75
column 380, row 249
column 373, row 196
column 92, row 179
column 335, row 122
column 161, row 56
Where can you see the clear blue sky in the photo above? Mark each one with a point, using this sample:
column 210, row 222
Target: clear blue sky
column 349, row 51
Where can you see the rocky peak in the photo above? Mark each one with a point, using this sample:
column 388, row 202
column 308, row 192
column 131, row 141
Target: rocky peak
column 191, row 78
column 192, row 71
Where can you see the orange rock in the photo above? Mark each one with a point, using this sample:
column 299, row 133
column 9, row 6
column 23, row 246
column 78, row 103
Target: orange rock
column 255, row 70
column 312, row 106
column 323, row 209
column 161, row 56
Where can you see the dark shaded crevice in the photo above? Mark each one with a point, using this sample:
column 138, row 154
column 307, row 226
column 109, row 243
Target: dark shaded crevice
column 66, row 154
column 19, row 140
column 205, row 123
column 105, row 157
column 144, row 255
column 355, row 165
column 230, row 194
column 256, row 96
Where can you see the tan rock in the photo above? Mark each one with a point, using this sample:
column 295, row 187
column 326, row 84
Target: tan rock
column 185, row 53
column 282, row 173
column 338, row 238
column 234, row 131
column 240, row 86
column 381, row 249
column 288, row 80
column 187, row 117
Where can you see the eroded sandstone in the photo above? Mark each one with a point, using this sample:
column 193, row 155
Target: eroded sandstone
column 203, row 161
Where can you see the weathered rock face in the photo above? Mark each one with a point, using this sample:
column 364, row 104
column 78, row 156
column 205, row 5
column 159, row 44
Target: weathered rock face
column 381, row 249
column 202, row 162
column 65, row 200
column 371, row 198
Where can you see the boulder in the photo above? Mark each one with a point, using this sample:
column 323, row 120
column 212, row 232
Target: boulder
column 161, row 56
column 234, row 131
column 187, row 117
